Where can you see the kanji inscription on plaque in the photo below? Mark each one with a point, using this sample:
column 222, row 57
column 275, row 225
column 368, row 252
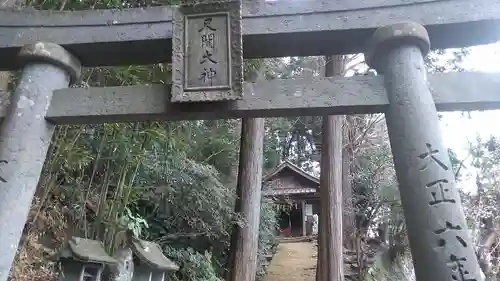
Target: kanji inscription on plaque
column 207, row 52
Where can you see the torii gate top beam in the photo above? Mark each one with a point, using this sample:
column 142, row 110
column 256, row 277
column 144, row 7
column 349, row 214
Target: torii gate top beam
column 271, row 29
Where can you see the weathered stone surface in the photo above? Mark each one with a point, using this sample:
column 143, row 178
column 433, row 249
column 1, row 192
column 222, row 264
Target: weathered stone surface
column 86, row 250
column 271, row 28
column 150, row 253
column 123, row 270
column 24, row 140
column 294, row 97
column 439, row 238
column 207, row 55
column 218, row 52
column 386, row 38
column 51, row 53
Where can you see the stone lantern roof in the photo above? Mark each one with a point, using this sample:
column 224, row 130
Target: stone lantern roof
column 86, row 250
column 151, row 254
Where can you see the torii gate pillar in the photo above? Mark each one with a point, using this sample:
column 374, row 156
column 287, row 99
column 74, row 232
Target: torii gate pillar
column 440, row 243
column 25, row 137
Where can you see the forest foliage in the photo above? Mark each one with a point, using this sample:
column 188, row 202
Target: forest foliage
column 169, row 182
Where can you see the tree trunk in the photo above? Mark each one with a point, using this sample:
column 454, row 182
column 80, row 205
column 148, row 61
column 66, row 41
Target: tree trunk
column 244, row 244
column 331, row 195
column 330, row 267
column 348, row 224
column 320, row 257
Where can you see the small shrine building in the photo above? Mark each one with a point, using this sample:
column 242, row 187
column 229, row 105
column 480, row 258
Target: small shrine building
column 297, row 194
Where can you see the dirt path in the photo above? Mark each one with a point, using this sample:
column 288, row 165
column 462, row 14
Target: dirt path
column 293, row 262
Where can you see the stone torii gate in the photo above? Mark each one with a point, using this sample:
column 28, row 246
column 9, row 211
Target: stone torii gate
column 51, row 47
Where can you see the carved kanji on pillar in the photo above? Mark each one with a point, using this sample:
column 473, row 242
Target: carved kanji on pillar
column 440, row 245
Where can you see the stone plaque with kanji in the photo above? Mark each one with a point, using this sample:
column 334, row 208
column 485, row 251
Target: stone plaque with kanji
column 207, row 52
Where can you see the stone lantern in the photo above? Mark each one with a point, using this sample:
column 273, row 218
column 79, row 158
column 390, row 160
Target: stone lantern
column 149, row 262
column 83, row 260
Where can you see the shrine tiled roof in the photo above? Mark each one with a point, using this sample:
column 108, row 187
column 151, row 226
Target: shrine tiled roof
column 290, row 190
column 292, row 167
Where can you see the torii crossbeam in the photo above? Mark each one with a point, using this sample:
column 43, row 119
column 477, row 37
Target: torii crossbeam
column 293, row 97
column 270, row 28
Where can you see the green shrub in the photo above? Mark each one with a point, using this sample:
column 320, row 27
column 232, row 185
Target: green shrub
column 194, row 266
